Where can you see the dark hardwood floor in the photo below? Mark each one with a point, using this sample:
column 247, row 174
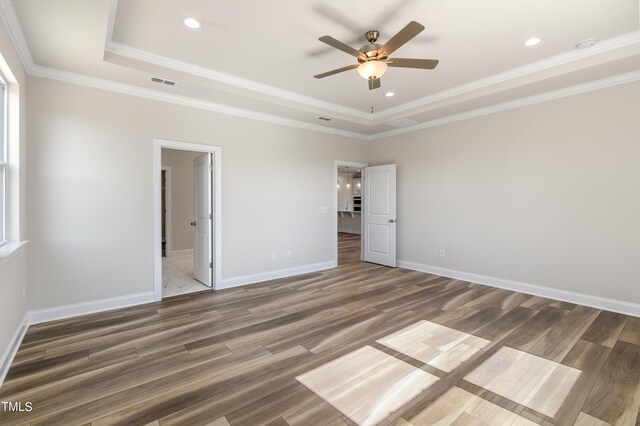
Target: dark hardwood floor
column 358, row 344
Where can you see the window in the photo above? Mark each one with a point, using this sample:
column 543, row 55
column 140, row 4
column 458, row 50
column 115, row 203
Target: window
column 3, row 160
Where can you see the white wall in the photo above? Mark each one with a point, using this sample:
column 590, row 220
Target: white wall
column 182, row 197
column 13, row 271
column 90, row 158
column 547, row 195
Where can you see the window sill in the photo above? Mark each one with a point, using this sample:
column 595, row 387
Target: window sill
column 10, row 248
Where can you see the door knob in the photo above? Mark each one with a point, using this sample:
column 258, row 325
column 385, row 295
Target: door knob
column 392, row 221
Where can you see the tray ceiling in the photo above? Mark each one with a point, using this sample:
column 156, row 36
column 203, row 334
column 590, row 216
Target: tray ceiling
column 260, row 56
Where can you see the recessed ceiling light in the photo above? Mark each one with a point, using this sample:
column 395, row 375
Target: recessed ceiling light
column 532, row 41
column 586, row 43
column 192, row 23
column 389, row 94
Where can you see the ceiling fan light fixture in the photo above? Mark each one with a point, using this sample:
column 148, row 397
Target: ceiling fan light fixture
column 372, row 69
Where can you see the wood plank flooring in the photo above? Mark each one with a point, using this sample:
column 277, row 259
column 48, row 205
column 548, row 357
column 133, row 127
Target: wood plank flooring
column 358, row 344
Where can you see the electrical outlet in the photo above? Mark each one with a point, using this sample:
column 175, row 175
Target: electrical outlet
column 289, row 253
column 442, row 253
column 274, row 255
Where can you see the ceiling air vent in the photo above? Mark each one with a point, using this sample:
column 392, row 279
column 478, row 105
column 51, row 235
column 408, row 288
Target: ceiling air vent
column 162, row 81
column 403, row 122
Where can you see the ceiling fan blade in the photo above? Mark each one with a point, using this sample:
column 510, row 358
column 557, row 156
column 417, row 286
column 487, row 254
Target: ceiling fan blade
column 427, row 64
column 339, row 70
column 340, row 45
column 374, row 83
column 411, row 30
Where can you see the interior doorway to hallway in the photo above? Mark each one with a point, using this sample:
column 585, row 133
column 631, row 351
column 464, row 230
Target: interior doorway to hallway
column 187, row 219
column 349, row 199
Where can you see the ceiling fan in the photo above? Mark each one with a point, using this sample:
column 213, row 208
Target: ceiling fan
column 373, row 58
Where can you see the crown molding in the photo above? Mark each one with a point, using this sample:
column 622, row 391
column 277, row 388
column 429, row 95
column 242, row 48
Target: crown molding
column 624, row 40
column 126, row 51
column 128, row 89
column 14, row 29
column 12, row 24
column 518, row 103
column 198, row 71
column 121, row 49
column 111, row 21
column 378, row 117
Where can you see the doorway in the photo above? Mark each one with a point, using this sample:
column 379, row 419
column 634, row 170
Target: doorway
column 165, row 182
column 187, row 219
column 349, row 199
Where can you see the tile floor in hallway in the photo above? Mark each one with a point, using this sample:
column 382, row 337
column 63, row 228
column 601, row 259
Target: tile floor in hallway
column 177, row 276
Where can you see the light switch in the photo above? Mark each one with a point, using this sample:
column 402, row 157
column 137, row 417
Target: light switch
column 322, row 209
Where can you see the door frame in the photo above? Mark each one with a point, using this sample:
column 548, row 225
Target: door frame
column 167, row 208
column 158, row 144
column 336, row 164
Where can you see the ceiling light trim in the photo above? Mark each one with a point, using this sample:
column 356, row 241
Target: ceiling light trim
column 531, row 42
column 192, row 23
column 128, row 89
column 577, row 89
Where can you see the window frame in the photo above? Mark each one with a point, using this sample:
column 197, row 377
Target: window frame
column 4, row 154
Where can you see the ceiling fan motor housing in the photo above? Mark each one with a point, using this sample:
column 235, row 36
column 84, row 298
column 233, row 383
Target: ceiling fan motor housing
column 372, row 36
column 370, row 52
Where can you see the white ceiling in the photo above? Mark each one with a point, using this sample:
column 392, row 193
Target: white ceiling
column 260, row 56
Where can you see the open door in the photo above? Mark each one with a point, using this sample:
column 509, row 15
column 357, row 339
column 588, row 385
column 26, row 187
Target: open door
column 379, row 215
column 203, row 257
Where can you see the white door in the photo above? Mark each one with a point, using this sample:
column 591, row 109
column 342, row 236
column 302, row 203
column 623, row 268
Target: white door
column 203, row 259
column 379, row 215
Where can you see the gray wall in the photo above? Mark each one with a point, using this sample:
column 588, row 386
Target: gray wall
column 91, row 190
column 547, row 195
column 182, row 197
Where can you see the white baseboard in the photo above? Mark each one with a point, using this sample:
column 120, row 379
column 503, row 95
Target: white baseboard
column 177, row 253
column 12, row 348
column 68, row 311
column 536, row 290
column 272, row 275
column 349, row 231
